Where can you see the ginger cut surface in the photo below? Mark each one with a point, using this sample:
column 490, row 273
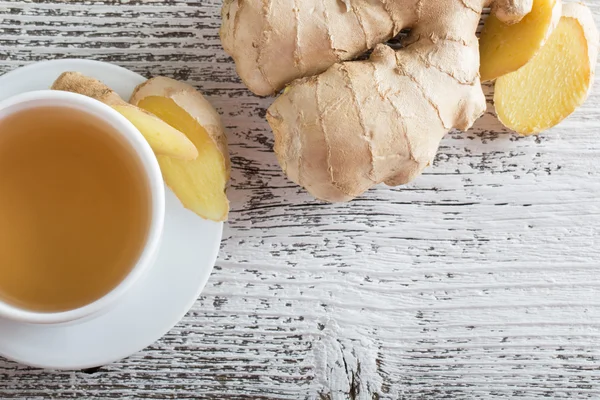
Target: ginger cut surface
column 556, row 81
column 199, row 184
column 505, row 48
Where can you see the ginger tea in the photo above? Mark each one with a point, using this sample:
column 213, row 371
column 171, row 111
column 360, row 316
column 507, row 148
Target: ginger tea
column 74, row 209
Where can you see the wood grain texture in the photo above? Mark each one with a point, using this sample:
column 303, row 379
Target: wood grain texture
column 480, row 280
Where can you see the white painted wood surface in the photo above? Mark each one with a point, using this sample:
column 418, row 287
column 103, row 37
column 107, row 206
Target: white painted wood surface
column 480, row 280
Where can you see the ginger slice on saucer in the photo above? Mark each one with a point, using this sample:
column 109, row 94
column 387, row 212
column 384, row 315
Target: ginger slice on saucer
column 199, row 184
column 162, row 137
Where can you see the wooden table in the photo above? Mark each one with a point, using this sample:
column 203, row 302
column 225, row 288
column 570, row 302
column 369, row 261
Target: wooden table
column 480, row 280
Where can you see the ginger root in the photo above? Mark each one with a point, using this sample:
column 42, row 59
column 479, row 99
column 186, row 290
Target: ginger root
column 274, row 43
column 273, row 46
column 162, row 138
column 342, row 127
column 346, row 126
column 505, row 48
column 556, row 81
column 199, row 184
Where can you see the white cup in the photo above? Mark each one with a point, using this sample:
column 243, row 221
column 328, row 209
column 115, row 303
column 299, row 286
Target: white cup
column 121, row 126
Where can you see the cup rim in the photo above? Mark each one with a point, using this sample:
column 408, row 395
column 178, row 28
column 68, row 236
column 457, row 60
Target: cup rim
column 146, row 156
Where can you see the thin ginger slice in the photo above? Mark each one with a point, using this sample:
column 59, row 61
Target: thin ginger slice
column 162, row 138
column 199, row 184
column 506, row 48
column 556, row 81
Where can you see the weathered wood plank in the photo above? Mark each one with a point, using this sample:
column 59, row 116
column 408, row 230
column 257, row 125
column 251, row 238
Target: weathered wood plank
column 479, row 280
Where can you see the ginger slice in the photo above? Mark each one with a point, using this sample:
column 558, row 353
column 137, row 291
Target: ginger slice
column 506, row 48
column 162, row 138
column 199, row 184
column 556, row 81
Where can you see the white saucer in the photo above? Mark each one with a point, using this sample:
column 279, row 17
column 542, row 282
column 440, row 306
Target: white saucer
column 157, row 302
